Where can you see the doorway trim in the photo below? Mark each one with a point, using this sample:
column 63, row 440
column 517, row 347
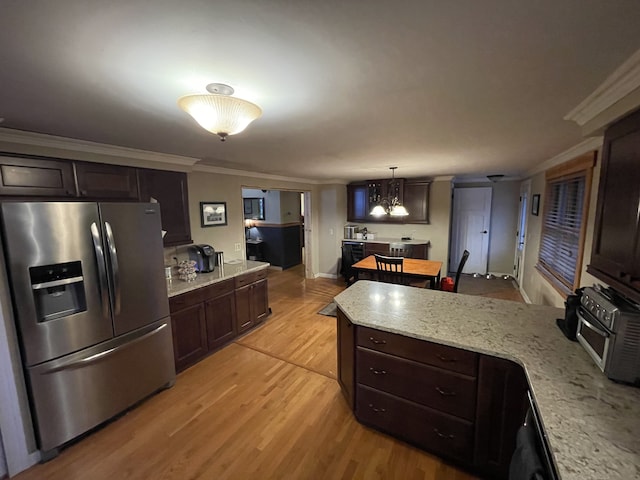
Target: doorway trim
column 521, row 232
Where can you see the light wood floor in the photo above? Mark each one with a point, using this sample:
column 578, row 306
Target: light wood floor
column 265, row 407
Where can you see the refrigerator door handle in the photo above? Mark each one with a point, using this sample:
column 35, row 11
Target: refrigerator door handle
column 102, row 272
column 113, row 258
column 97, row 356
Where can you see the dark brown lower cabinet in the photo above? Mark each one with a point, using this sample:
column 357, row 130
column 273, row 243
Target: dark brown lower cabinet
column 425, row 427
column 252, row 300
column 206, row 319
column 457, row 404
column 221, row 319
column 346, row 357
column 189, row 335
column 502, row 405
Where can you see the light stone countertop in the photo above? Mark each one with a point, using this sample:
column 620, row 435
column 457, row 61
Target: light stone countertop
column 592, row 423
column 175, row 286
column 388, row 240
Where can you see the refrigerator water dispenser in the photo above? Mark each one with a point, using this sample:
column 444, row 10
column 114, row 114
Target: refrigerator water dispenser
column 58, row 290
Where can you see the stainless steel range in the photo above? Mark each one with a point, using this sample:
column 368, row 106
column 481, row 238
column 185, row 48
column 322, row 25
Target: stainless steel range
column 609, row 329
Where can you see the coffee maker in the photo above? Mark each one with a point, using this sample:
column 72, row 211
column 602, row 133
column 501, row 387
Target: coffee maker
column 204, row 255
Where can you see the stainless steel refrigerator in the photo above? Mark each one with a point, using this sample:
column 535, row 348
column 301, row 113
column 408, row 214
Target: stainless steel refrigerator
column 91, row 307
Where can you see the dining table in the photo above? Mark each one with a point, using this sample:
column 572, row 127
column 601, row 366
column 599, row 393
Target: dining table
column 413, row 268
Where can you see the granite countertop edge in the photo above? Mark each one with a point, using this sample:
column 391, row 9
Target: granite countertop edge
column 388, row 240
column 175, row 286
column 592, row 424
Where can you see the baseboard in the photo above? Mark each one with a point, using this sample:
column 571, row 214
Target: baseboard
column 326, row 275
column 525, row 297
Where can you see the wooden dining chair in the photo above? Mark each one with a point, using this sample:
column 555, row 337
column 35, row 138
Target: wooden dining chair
column 463, row 261
column 390, row 269
column 400, row 250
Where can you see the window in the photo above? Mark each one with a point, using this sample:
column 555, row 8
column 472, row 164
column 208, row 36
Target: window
column 564, row 220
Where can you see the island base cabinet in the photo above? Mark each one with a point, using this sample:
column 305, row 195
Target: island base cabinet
column 189, row 335
column 429, row 429
column 502, row 405
column 346, row 357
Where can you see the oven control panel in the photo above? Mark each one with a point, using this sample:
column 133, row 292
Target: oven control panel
column 599, row 306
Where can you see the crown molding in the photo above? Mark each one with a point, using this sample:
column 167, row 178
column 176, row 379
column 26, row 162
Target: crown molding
column 624, row 80
column 588, row 145
column 246, row 173
column 20, row 137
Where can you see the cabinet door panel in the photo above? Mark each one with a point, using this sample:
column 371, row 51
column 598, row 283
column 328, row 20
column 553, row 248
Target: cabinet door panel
column 221, row 324
column 502, row 404
column 346, row 357
column 243, row 309
column 260, row 301
column 170, row 191
column 357, row 202
column 36, row 177
column 98, row 180
column 435, row 432
column 189, row 335
column 416, row 201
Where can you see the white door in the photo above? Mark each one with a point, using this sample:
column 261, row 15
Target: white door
column 521, row 233
column 308, row 258
column 471, row 221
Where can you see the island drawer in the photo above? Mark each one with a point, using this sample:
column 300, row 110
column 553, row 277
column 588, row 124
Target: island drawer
column 184, row 300
column 434, row 387
column 219, row 288
column 247, row 278
column 429, row 429
column 442, row 356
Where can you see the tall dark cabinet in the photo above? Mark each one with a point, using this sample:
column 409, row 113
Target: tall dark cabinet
column 169, row 189
column 615, row 255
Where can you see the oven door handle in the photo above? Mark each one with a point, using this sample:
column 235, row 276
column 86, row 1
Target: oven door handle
column 599, row 331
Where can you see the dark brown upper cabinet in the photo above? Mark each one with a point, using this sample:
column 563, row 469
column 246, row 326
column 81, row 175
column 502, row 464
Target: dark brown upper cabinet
column 363, row 196
column 36, row 177
column 103, row 181
column 169, row 189
column 615, row 255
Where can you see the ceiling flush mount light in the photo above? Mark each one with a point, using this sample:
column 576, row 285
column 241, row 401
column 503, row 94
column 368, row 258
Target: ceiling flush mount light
column 218, row 112
column 390, row 205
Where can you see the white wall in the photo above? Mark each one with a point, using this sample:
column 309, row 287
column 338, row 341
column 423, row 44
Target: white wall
column 332, row 206
column 3, row 462
column 534, row 285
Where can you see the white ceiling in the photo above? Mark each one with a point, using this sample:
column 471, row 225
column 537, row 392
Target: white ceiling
column 348, row 88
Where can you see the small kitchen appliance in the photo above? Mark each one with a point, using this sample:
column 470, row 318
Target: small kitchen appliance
column 204, row 256
column 609, row 330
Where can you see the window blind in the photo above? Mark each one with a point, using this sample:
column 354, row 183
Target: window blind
column 562, row 227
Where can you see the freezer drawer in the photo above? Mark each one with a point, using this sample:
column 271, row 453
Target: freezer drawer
column 75, row 393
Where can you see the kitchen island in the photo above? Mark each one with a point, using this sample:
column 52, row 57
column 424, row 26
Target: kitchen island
column 592, row 424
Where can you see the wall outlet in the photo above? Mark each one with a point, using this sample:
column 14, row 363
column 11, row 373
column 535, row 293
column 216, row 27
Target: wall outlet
column 238, row 247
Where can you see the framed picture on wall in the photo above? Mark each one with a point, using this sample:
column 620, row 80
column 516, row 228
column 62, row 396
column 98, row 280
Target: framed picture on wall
column 535, row 204
column 213, row 214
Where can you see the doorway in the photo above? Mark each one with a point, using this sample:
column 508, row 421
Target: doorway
column 470, row 228
column 521, row 233
column 279, row 235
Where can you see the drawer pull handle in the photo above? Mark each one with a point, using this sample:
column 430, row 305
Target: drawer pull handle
column 377, row 372
column 442, row 435
column 377, row 342
column 377, row 410
column 442, row 358
column 444, row 393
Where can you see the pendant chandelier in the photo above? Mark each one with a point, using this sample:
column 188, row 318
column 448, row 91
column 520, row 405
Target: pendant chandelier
column 218, row 112
column 390, row 205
